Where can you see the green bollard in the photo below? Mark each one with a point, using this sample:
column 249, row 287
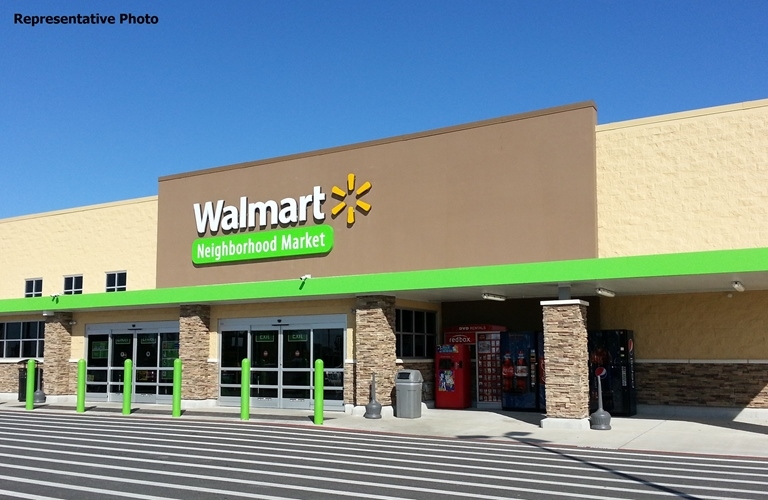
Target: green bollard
column 176, row 410
column 31, row 365
column 81, row 386
column 245, row 390
column 319, row 391
column 127, row 390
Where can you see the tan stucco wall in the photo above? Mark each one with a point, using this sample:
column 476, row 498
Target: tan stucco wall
column 90, row 240
column 695, row 326
column 684, row 182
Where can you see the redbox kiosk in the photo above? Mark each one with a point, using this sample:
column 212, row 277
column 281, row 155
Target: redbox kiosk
column 484, row 342
column 453, row 379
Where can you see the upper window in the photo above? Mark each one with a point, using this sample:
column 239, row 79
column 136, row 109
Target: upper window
column 33, row 287
column 415, row 333
column 73, row 285
column 22, row 339
column 116, row 281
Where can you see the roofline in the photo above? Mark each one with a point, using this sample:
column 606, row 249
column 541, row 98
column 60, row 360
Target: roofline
column 389, row 140
column 682, row 115
column 84, row 208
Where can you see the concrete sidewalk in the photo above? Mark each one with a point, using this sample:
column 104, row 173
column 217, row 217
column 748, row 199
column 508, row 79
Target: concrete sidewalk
column 653, row 429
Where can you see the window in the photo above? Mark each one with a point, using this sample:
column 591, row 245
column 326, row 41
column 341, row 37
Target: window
column 415, row 333
column 33, row 287
column 73, row 285
column 116, row 281
column 22, row 339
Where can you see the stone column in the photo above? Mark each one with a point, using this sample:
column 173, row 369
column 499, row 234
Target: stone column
column 199, row 377
column 566, row 364
column 58, row 375
column 374, row 348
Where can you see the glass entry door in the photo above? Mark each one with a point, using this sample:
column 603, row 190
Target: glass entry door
column 122, row 349
column 152, row 354
column 282, row 364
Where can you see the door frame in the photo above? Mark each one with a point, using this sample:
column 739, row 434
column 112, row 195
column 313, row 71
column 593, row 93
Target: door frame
column 280, row 325
column 134, row 329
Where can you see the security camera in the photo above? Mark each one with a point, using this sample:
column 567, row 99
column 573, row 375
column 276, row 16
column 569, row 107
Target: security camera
column 305, row 277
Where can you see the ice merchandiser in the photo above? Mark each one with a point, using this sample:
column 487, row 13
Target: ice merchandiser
column 483, row 340
column 612, row 358
column 522, row 371
column 452, row 376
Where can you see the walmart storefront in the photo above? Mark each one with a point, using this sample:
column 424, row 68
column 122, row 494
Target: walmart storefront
column 361, row 255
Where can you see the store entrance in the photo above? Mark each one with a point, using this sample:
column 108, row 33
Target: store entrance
column 152, row 354
column 282, row 360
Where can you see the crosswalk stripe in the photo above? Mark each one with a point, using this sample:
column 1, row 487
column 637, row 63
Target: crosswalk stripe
column 62, row 432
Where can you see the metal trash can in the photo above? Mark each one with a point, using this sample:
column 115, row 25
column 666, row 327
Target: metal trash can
column 408, row 392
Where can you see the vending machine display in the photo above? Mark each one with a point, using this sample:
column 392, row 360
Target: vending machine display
column 521, row 376
column 612, row 358
column 488, row 369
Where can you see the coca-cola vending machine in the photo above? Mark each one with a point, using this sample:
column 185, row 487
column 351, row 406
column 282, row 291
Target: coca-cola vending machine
column 522, row 371
column 612, row 358
column 452, row 376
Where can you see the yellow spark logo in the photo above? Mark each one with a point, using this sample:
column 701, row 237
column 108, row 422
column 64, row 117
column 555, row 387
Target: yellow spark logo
column 341, row 194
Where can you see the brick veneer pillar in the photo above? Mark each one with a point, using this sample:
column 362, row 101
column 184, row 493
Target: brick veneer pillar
column 57, row 373
column 566, row 360
column 374, row 348
column 199, row 376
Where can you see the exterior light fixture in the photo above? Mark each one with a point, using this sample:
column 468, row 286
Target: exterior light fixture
column 47, row 313
column 605, row 292
column 738, row 286
column 493, row 296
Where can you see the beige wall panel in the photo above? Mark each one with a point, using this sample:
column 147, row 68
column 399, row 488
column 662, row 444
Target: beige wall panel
column 340, row 306
column 684, row 182
column 696, row 326
column 90, row 241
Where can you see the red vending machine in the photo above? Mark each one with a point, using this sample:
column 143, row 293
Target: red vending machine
column 453, row 377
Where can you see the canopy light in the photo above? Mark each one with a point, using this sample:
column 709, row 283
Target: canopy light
column 605, row 292
column 493, row 296
column 738, row 286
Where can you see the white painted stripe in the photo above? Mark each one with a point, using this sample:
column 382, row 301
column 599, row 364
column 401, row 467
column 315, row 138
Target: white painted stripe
column 360, row 436
column 658, row 461
column 482, row 474
column 17, row 494
column 230, row 480
column 491, row 462
column 475, row 476
column 65, row 486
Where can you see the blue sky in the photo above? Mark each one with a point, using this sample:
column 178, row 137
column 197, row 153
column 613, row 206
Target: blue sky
column 94, row 114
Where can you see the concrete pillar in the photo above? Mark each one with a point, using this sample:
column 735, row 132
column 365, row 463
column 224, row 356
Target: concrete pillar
column 566, row 364
column 200, row 378
column 59, row 375
column 374, row 349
